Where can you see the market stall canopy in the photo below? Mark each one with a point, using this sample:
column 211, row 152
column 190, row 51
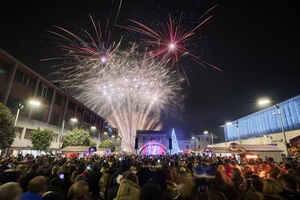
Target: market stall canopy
column 76, row 149
column 247, row 148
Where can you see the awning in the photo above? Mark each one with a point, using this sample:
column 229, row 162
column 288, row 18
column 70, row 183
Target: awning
column 248, row 148
column 76, row 149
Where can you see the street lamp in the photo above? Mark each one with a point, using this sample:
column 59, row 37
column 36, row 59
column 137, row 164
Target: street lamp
column 266, row 101
column 60, row 142
column 93, row 130
column 113, row 138
column 34, row 102
column 211, row 136
column 282, row 127
column 20, row 107
column 194, row 138
column 237, row 128
column 73, row 120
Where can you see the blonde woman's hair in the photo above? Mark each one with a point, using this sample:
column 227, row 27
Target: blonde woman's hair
column 11, row 191
column 55, row 169
column 78, row 189
column 73, row 176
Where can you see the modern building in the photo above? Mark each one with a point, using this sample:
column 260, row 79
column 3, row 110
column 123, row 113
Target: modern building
column 21, row 88
column 275, row 125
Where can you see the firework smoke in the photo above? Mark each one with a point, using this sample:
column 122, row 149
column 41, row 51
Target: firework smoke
column 131, row 91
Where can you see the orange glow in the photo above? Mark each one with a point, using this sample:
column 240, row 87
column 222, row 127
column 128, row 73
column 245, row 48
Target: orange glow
column 251, row 156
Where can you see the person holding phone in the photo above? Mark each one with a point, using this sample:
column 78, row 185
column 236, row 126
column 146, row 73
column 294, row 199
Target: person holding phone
column 62, row 176
column 94, row 174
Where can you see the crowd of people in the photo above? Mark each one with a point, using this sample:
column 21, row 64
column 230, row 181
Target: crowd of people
column 143, row 177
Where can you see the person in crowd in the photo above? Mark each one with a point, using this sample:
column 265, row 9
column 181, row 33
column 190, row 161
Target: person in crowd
column 10, row 174
column 145, row 173
column 289, row 183
column 129, row 188
column 73, row 176
column 79, row 177
column 186, row 183
column 114, row 181
column 22, row 169
column 153, row 189
column 55, row 189
column 11, row 191
column 237, row 179
column 271, row 170
column 67, row 172
column 94, row 175
column 104, row 167
column 199, row 168
column 247, row 171
column 104, row 181
column 54, row 172
column 221, row 182
column 167, row 169
column 36, row 188
column 173, row 171
column 133, row 169
column 33, row 172
column 171, row 191
column 252, row 188
column 228, row 167
column 271, row 189
column 79, row 190
column 257, row 182
column 283, row 170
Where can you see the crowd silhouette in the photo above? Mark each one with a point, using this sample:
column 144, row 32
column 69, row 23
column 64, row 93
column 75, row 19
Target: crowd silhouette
column 143, row 177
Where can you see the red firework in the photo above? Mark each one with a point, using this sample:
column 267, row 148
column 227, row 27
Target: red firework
column 171, row 43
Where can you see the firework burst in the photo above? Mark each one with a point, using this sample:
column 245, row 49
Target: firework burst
column 170, row 42
column 131, row 91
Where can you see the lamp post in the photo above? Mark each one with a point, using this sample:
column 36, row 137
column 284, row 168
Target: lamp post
column 266, row 101
column 32, row 102
column 282, row 128
column 237, row 128
column 18, row 112
column 60, row 143
column 73, row 120
column 211, row 137
column 194, row 138
column 60, row 139
column 93, row 130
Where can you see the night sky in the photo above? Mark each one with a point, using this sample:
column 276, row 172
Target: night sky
column 254, row 43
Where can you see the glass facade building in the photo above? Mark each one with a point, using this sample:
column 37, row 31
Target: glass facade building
column 282, row 117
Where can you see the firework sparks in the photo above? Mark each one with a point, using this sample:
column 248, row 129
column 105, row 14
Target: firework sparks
column 170, row 42
column 129, row 90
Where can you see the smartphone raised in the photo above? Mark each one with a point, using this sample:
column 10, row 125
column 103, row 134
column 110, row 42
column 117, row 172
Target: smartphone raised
column 61, row 176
